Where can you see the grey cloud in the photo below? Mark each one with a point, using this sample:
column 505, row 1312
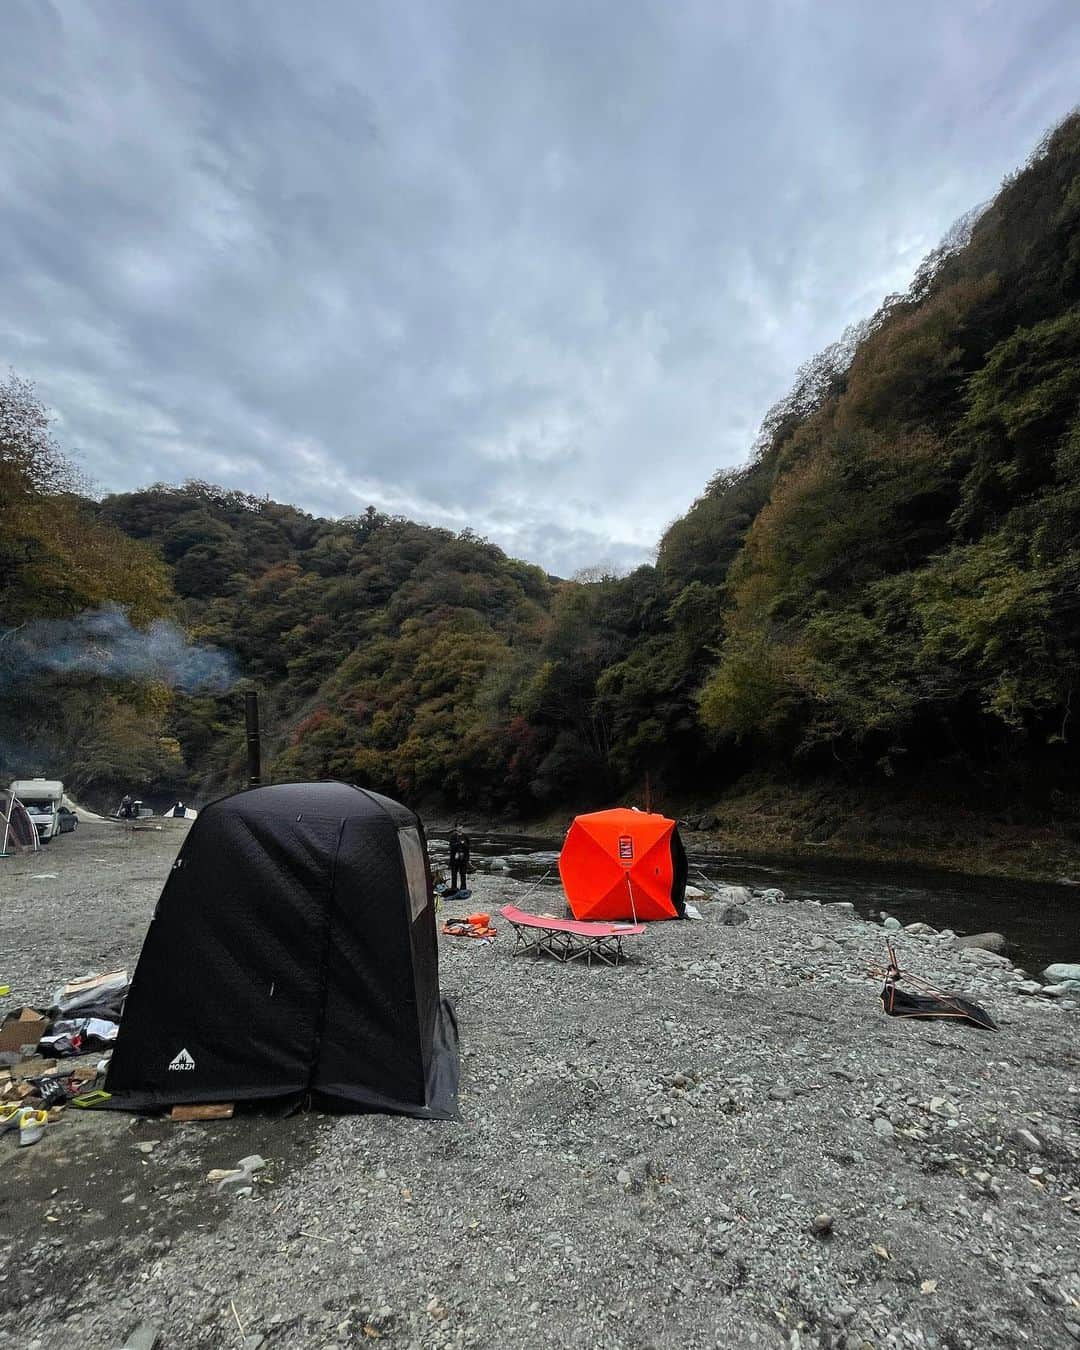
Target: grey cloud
column 538, row 269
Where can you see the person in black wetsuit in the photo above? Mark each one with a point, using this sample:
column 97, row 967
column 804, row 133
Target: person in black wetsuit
column 459, row 860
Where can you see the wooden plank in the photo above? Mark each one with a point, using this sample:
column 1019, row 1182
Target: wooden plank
column 210, row 1111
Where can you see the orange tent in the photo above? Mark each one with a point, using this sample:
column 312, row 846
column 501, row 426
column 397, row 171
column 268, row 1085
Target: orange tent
column 624, row 865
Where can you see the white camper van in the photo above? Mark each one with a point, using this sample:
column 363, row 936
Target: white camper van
column 42, row 798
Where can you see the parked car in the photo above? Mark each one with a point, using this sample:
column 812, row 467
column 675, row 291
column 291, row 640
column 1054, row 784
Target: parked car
column 69, row 821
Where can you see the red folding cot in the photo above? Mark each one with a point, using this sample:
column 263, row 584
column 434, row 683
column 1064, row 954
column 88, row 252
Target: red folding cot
column 569, row 939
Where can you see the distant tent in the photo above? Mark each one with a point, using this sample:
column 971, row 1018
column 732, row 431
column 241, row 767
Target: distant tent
column 624, row 865
column 292, row 952
column 22, row 835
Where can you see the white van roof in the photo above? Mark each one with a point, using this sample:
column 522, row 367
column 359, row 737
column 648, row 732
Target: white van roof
column 38, row 787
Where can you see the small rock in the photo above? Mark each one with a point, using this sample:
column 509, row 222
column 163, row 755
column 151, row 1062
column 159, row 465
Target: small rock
column 920, row 930
column 622, row 1176
column 437, row 1310
column 781, row 1093
column 145, row 1337
column 236, row 1183
column 1027, row 1139
column 254, row 1162
column 987, row 942
column 891, row 925
column 733, row 914
column 1028, row 987
column 883, row 1128
column 822, row 1225
column 840, row 906
column 1060, row 971
column 980, row 956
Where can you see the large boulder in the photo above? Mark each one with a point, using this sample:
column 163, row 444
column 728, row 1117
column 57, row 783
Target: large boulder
column 1062, row 971
column 706, row 821
column 989, row 942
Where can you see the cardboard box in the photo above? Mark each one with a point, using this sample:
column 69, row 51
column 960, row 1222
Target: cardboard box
column 216, row 1111
column 80, row 986
column 26, row 1027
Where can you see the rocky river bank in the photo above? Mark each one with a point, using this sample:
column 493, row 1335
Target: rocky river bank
column 722, row 1143
column 882, row 824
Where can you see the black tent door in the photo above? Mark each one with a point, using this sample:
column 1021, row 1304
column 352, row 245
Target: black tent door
column 374, row 1013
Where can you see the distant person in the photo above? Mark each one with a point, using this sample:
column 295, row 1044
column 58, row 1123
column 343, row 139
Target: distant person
column 459, row 860
column 127, row 806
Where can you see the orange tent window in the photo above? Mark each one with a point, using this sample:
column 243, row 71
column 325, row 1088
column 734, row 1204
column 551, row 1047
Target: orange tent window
column 623, row 864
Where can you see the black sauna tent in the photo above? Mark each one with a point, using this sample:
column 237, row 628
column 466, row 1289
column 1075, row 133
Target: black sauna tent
column 292, row 952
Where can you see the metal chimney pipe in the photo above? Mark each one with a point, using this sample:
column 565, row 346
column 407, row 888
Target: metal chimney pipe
column 254, row 744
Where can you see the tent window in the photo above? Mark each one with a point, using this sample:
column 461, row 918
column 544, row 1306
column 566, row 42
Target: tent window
column 412, row 857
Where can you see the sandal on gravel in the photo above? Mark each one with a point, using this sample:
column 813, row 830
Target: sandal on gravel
column 32, row 1126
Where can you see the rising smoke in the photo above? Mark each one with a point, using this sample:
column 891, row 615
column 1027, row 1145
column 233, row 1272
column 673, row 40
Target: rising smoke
column 104, row 642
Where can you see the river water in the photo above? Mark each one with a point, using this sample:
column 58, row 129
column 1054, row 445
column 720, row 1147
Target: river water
column 1041, row 922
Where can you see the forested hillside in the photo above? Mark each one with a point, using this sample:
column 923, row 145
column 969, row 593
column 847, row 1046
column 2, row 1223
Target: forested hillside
column 58, row 559
column 383, row 649
column 908, row 596
column 887, row 592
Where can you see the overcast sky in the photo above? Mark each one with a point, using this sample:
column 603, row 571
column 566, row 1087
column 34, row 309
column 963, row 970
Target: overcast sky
column 534, row 267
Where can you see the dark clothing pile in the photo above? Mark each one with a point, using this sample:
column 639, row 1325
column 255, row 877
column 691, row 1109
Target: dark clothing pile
column 86, row 1015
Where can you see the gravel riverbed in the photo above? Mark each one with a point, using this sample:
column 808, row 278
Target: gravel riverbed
column 722, row 1143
